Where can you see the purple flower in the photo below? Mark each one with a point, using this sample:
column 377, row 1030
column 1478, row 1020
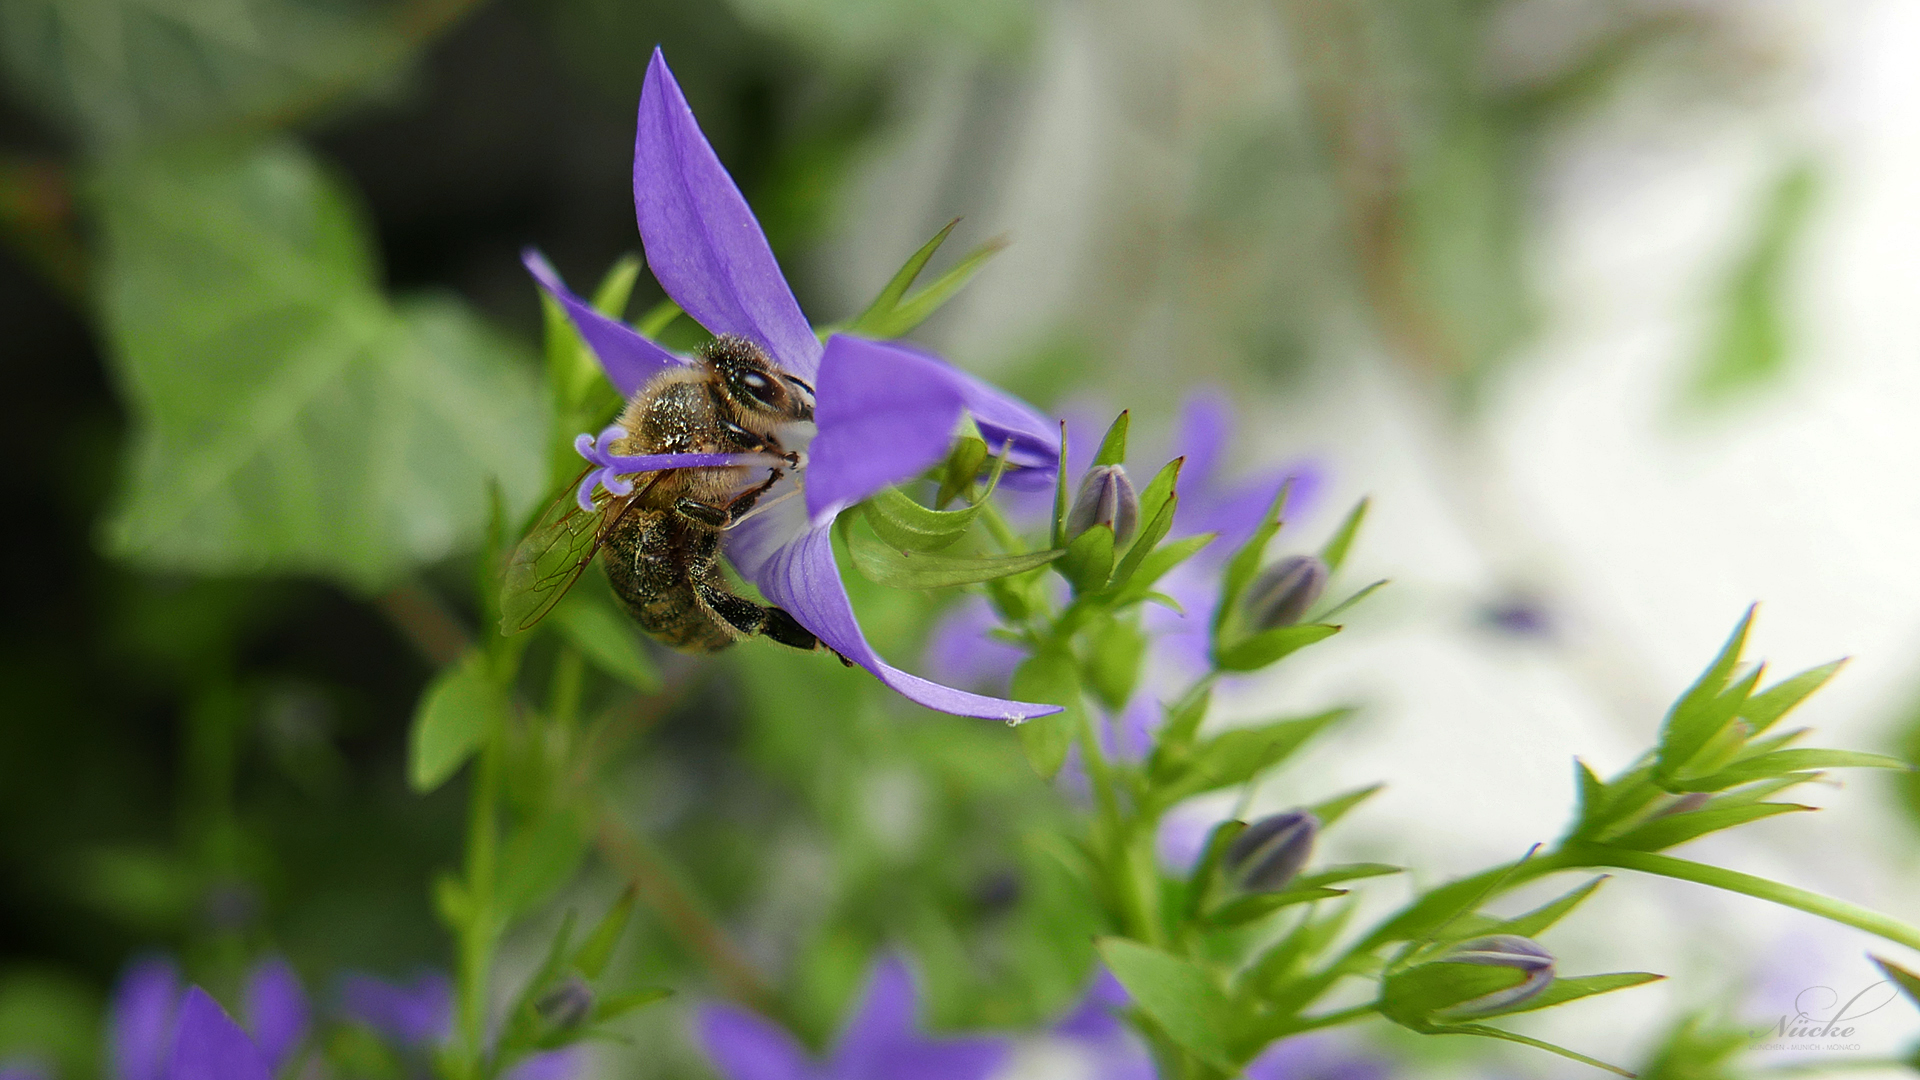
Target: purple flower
column 1113, row 1050
column 149, row 1021
column 419, row 1016
column 208, row 1045
column 880, row 1042
column 1314, row 1057
column 884, row 411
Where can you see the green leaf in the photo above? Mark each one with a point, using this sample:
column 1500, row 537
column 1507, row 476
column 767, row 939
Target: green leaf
column 1049, row 677
column 1533, row 922
column 1172, row 750
column 1177, row 994
column 614, row 1006
column 905, row 525
column 1200, row 884
column 1270, row 646
column 1116, row 650
column 1245, row 564
column 1332, row 810
column 607, row 639
column 1089, row 560
column 1335, row 553
column 962, row 468
column 287, row 418
column 538, row 858
column 1145, row 564
column 1782, row 762
column 1538, row 1044
column 1765, row 708
column 451, row 721
column 1695, row 719
column 594, row 952
column 1672, row 829
column 1159, row 490
column 1113, row 448
column 1334, row 875
column 1561, row 991
column 892, row 314
column 1236, row 756
column 885, row 565
column 126, row 71
column 1906, row 980
column 1245, row 909
column 1750, row 345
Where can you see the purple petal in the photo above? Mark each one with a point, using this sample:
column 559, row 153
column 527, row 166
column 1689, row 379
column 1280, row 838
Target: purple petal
column 420, row 1014
column 1205, row 427
column 208, row 1045
column 141, row 1026
column 744, row 1046
column 802, row 577
column 628, row 359
column 1314, row 1057
column 880, row 1042
column 1093, row 1017
column 884, row 414
column 1235, row 512
column 553, row 1065
column 275, row 1006
column 703, row 244
column 960, row 652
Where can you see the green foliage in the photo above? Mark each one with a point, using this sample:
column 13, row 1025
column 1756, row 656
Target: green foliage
column 910, row 569
column 1049, row 676
column 288, row 418
column 1177, row 995
column 1751, row 343
column 607, row 638
column 893, row 313
column 451, row 722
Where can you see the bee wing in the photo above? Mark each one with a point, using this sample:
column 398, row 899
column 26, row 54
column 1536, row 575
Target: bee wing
column 555, row 553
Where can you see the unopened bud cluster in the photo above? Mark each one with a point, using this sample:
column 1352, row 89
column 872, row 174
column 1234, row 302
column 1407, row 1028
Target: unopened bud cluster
column 1107, row 498
column 1270, row 852
column 1283, row 592
column 566, row 1005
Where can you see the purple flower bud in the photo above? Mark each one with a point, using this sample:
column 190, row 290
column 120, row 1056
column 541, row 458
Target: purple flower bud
column 1266, row 856
column 1106, row 498
column 1283, row 592
column 566, row 1005
column 1500, row 950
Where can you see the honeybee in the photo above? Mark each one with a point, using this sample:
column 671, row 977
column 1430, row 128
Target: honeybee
column 661, row 543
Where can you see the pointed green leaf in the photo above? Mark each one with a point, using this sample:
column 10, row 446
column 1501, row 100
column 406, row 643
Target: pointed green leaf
column 1782, row 762
column 1343, row 605
column 1523, row 1040
column 1049, row 676
column 1175, row 743
column 1153, row 498
column 594, row 952
column 451, row 722
column 1205, row 876
column 1245, row 563
column 962, row 468
column 1906, row 980
column 1134, row 578
column 1236, row 756
column 1245, row 909
column 1270, row 646
column 1690, row 723
column 916, row 309
column 1113, row 448
column 1177, row 994
column 884, row 565
column 907, row 526
column 1089, row 560
column 1562, row 991
column 1533, row 922
column 1335, row 553
column 1762, row 710
column 1332, row 810
column 1335, row 875
column 1058, row 536
column 1674, row 829
column 614, row 1006
column 871, row 321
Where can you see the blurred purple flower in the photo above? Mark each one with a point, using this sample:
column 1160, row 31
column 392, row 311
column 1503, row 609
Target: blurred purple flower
column 1113, row 1050
column 960, row 652
column 880, row 1042
column 1314, row 1057
column 419, row 1015
column 883, row 413
column 148, row 1019
column 24, row 1070
column 1210, row 500
column 208, row 1045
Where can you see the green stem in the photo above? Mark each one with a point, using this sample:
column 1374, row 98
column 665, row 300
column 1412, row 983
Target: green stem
column 1734, row 881
column 480, row 934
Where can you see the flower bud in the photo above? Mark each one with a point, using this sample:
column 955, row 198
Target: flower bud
column 1269, row 852
column 566, row 1005
column 1106, row 498
column 1447, row 988
column 1507, row 951
column 1283, row 592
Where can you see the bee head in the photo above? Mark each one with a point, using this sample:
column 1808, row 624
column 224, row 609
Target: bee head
column 755, row 385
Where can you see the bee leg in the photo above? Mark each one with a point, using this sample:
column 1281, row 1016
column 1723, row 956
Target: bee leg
column 787, row 630
column 719, row 517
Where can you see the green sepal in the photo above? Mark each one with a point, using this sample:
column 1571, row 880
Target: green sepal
column 1266, row 977
column 1907, row 981
column 1345, row 872
column 1176, row 994
column 1670, row 830
column 1335, row 551
column 1089, row 560
column 614, row 1006
column 1058, row 535
column 451, row 721
column 1692, row 720
column 1538, row 1044
column 961, row 469
column 1113, row 448
column 1236, row 756
column 1762, row 710
column 893, row 313
column 1728, row 738
column 1205, row 877
column 1270, row 646
column 1116, row 651
column 1766, row 766
column 1245, row 909
column 884, row 565
column 1533, row 922
column 1049, row 676
column 907, row 526
column 1144, row 547
column 1154, row 497
column 592, row 957
column 1343, row 605
column 1134, row 578
column 1332, row 810
column 1561, row 991
column 1413, row 997
column 1245, row 563
column 1172, row 750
